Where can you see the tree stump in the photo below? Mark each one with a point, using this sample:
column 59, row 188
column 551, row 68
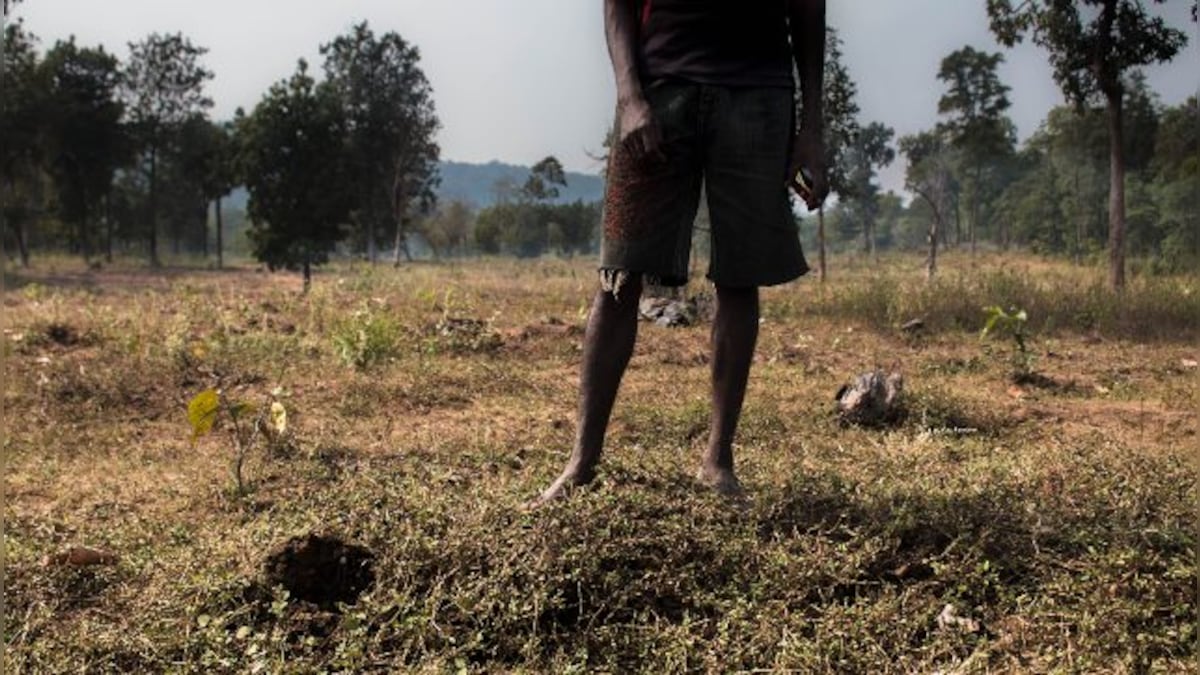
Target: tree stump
column 872, row 400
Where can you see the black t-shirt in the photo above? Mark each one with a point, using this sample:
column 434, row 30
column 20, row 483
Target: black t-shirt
column 723, row 42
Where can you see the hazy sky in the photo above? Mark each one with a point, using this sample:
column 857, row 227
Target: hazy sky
column 516, row 80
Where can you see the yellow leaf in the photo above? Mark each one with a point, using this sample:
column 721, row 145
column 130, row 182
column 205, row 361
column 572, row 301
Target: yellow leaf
column 202, row 412
column 278, row 417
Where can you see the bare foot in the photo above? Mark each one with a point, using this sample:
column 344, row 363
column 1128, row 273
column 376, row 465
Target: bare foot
column 723, row 481
column 561, row 488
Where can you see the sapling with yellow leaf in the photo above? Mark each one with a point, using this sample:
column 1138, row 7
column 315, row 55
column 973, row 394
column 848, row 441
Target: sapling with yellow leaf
column 246, row 422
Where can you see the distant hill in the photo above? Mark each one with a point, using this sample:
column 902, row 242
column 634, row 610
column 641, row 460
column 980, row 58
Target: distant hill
column 474, row 183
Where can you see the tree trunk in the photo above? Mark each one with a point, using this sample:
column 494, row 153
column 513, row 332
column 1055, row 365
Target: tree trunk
column 307, row 273
column 398, row 202
column 85, row 244
column 1005, row 235
column 975, row 206
column 17, row 229
column 932, row 238
column 399, row 245
column 4, row 227
column 153, row 206
column 399, row 211
column 1107, row 71
column 1080, row 220
column 204, row 232
column 220, row 235
column 25, row 237
column 22, row 244
column 1116, row 193
column 931, row 267
column 821, row 242
column 108, row 225
column 958, row 233
column 372, row 249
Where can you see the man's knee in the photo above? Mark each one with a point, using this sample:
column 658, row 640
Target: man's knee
column 620, row 287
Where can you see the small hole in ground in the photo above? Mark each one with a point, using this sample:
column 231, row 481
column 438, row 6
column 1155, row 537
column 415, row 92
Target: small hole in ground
column 320, row 569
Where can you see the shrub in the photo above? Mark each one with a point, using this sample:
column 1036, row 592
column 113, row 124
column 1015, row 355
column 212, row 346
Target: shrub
column 366, row 339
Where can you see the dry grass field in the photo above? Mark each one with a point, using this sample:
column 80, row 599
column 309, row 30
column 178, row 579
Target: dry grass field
column 1055, row 517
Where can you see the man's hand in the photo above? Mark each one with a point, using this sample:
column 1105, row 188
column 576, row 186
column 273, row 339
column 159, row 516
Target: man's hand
column 808, row 152
column 638, row 132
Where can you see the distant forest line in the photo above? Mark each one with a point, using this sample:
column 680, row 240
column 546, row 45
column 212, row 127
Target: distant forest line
column 106, row 156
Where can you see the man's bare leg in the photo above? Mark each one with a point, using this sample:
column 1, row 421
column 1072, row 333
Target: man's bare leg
column 607, row 347
column 734, row 334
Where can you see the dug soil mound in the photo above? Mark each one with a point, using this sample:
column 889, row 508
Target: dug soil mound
column 320, row 569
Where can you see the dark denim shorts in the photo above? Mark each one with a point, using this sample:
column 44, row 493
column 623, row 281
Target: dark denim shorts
column 735, row 141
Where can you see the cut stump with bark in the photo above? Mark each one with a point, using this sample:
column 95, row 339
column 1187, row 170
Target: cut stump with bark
column 872, row 400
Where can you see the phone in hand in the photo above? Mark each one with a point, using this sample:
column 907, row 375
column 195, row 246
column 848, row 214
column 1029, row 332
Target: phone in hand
column 802, row 183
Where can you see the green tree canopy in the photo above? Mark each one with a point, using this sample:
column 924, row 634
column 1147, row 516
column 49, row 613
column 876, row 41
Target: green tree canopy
column 390, row 123
column 1092, row 44
column 840, row 107
column 164, row 86
column 293, row 160
column 545, row 178
column 447, row 229
column 85, row 142
column 1176, row 167
column 975, row 124
column 530, row 223
column 21, row 115
column 870, row 151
